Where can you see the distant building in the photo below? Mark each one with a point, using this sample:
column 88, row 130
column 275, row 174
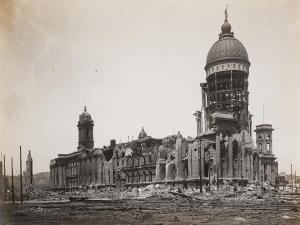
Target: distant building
column 28, row 174
column 224, row 148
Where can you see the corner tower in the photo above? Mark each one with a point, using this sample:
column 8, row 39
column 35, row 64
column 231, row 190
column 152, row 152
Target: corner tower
column 264, row 138
column 226, row 89
column 85, row 131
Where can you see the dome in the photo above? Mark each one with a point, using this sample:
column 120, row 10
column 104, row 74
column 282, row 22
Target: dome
column 85, row 115
column 227, row 47
column 142, row 134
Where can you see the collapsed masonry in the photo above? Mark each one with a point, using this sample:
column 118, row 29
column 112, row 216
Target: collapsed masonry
column 223, row 148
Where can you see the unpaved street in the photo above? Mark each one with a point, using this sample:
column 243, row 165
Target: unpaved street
column 283, row 210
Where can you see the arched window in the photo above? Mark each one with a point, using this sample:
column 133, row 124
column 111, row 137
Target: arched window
column 259, row 138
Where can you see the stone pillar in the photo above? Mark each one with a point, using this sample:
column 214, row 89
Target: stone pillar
column 60, row 176
column 54, row 176
column 157, row 171
column 84, row 171
column 230, row 157
column 201, row 148
column 243, row 162
column 269, row 172
column 178, row 159
column 251, row 166
column 169, row 171
column 98, row 161
column 193, row 161
column 198, row 121
column 263, row 171
column 64, row 176
column 218, row 151
column 80, row 172
column 111, row 171
column 259, row 170
column 93, row 165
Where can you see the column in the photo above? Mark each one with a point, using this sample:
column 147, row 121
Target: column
column 64, row 176
column 93, row 168
column 178, row 159
column 157, row 171
column 230, row 157
column 201, row 148
column 111, row 171
column 218, row 154
column 239, row 156
column 193, row 161
column 259, row 170
column 59, row 176
column 87, row 171
column 251, row 166
column 269, row 172
column 243, row 162
column 100, row 171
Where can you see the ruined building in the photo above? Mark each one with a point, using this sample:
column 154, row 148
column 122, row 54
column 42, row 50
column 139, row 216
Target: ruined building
column 28, row 173
column 223, row 149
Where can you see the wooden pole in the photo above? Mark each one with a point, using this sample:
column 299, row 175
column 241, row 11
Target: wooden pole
column 4, row 182
column 12, row 181
column 292, row 177
column 21, row 183
column 209, row 170
column 296, row 188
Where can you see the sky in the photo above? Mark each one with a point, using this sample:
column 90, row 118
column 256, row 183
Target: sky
column 137, row 63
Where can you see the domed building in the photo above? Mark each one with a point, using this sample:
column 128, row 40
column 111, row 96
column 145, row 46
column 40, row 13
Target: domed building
column 224, row 124
column 223, row 149
column 226, row 87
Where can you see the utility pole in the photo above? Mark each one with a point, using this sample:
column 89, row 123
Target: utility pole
column 200, row 166
column 292, row 177
column 4, row 182
column 21, row 183
column 296, row 187
column 209, row 169
column 12, row 181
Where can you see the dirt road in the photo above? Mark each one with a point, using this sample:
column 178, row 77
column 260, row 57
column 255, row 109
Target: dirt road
column 285, row 210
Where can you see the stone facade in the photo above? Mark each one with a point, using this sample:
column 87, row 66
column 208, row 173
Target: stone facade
column 223, row 148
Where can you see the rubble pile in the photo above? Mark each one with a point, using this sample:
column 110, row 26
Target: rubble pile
column 154, row 190
column 253, row 192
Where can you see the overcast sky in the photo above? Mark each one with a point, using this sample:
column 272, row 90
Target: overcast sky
column 137, row 63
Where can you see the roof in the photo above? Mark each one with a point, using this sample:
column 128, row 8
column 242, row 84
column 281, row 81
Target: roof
column 227, row 47
column 85, row 116
column 142, row 134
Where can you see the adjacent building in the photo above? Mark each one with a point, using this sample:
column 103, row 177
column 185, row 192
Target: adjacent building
column 224, row 148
